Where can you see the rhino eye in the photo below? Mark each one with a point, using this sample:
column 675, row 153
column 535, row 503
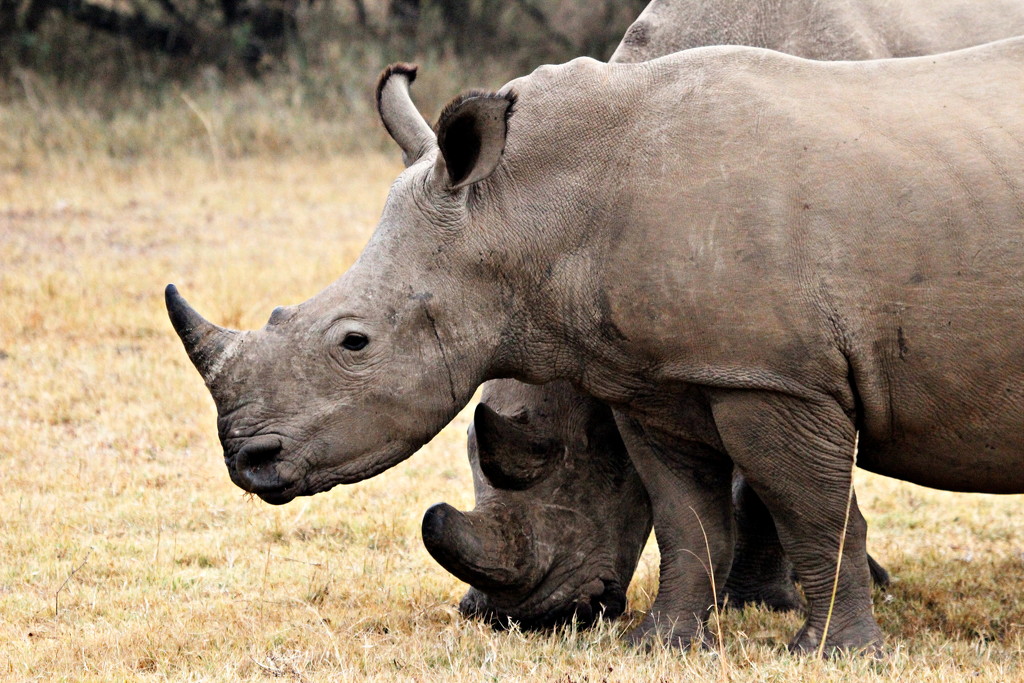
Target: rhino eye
column 354, row 341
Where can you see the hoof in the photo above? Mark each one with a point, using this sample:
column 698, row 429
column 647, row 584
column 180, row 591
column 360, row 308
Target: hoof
column 864, row 639
column 654, row 633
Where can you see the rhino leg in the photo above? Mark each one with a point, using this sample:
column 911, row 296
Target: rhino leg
column 761, row 573
column 797, row 455
column 690, row 488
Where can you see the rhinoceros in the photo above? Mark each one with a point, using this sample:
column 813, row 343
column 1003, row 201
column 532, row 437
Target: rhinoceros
column 583, row 559
column 561, row 517
column 751, row 257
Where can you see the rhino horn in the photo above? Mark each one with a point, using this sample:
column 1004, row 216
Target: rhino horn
column 509, row 455
column 479, row 548
column 399, row 115
column 207, row 345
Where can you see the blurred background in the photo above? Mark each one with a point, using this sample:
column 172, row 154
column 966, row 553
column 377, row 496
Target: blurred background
column 263, row 76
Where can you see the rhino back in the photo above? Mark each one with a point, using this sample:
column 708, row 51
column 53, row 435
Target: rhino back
column 843, row 29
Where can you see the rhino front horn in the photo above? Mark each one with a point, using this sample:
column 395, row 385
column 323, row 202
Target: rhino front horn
column 486, row 552
column 206, row 344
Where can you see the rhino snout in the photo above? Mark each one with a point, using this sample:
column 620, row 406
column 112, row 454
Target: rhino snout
column 596, row 599
column 256, row 470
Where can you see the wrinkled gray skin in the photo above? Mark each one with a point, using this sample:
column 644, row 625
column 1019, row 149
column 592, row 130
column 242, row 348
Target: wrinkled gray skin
column 561, row 512
column 788, row 252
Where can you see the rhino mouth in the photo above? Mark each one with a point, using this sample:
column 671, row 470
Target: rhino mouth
column 273, row 492
column 610, row 603
column 277, row 497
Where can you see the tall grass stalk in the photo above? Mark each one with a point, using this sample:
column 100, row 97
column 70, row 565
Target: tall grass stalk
column 842, row 546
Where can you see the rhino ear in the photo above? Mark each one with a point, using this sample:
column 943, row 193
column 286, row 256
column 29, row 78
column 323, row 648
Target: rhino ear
column 399, row 115
column 509, row 455
column 471, row 134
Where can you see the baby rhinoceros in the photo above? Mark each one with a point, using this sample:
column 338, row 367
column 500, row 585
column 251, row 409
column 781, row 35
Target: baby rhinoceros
column 561, row 517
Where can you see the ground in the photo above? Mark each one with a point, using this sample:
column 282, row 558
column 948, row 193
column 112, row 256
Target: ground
column 128, row 554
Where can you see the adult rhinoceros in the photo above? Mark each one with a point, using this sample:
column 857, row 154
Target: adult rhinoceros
column 561, row 514
column 751, row 257
column 579, row 500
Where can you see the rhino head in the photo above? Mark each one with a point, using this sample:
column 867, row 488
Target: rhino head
column 357, row 378
column 314, row 398
column 561, row 516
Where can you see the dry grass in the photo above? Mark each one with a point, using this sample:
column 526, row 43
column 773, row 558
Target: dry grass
column 93, row 122
column 127, row 553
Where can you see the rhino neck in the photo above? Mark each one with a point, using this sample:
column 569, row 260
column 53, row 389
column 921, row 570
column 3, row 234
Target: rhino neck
column 565, row 213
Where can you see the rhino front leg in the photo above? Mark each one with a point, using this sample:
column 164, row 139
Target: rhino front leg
column 689, row 486
column 797, row 455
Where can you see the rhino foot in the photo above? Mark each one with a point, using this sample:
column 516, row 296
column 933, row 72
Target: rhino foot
column 775, row 589
column 778, row 596
column 660, row 631
column 858, row 635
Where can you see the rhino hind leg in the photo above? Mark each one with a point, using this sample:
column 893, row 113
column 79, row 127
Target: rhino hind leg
column 796, row 454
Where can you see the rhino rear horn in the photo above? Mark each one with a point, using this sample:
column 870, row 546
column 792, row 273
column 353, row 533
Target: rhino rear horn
column 481, row 548
column 207, row 344
column 403, row 121
column 509, row 455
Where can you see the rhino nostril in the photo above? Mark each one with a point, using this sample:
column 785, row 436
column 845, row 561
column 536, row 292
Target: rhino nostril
column 258, row 453
column 255, row 468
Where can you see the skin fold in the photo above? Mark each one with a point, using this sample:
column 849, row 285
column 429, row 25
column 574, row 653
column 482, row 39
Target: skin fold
column 572, row 505
column 783, row 254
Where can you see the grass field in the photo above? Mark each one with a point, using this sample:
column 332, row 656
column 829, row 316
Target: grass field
column 128, row 554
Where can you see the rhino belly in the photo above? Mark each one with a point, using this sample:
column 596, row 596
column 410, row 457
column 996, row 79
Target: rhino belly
column 987, row 465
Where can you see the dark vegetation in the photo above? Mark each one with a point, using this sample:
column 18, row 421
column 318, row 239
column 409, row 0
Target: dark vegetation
column 149, row 43
column 130, row 80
